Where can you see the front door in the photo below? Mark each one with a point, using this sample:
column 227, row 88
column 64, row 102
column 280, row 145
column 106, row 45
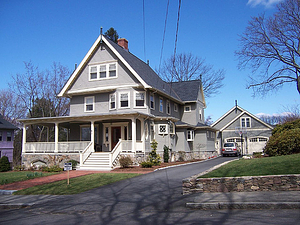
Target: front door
column 115, row 136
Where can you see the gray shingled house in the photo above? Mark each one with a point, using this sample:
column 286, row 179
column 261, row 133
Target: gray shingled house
column 118, row 105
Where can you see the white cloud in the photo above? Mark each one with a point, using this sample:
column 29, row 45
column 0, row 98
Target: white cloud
column 266, row 3
column 259, row 115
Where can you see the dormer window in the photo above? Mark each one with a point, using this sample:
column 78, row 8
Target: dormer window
column 103, row 71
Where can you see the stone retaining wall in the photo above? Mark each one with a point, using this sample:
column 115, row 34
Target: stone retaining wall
column 241, row 184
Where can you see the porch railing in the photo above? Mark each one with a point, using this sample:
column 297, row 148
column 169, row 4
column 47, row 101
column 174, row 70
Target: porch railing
column 86, row 153
column 49, row 147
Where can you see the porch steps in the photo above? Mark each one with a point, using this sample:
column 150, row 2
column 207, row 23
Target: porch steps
column 97, row 161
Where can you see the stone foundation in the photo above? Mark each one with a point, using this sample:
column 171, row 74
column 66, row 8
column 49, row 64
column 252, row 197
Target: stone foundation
column 29, row 160
column 241, row 184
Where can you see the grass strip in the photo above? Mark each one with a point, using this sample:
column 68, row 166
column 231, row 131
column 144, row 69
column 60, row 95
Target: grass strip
column 279, row 165
column 77, row 184
column 14, row 176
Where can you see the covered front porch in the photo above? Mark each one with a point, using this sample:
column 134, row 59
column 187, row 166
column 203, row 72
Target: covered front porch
column 96, row 142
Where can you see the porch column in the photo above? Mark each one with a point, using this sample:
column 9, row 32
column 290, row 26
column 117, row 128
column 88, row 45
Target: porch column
column 93, row 133
column 143, row 134
column 56, row 138
column 24, row 138
column 133, row 135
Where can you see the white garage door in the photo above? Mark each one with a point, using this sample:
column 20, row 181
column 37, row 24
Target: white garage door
column 256, row 144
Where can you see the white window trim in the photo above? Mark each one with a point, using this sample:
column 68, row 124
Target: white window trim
column 161, row 106
column 166, row 130
column 171, row 123
column 175, row 107
column 245, row 118
column 190, row 108
column 143, row 92
column 168, row 104
column 107, row 70
column 85, row 99
column 127, row 107
column 114, row 94
column 192, row 135
column 152, row 95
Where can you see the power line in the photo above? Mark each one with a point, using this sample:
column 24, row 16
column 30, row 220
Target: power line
column 162, row 46
column 144, row 29
column 175, row 48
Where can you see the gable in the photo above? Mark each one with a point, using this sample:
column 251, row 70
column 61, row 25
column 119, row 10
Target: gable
column 227, row 118
column 102, row 60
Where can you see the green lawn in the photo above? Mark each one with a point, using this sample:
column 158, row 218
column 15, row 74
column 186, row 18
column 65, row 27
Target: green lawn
column 14, row 176
column 77, row 184
column 289, row 164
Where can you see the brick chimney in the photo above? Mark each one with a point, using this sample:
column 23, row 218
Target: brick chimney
column 123, row 43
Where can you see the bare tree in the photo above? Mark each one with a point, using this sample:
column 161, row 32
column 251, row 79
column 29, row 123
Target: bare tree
column 37, row 91
column 186, row 67
column 11, row 107
column 271, row 47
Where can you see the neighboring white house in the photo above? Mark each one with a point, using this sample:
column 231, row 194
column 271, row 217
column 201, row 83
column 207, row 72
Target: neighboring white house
column 242, row 127
column 118, row 105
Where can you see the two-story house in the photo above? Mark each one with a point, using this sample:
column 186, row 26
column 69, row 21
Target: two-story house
column 240, row 126
column 6, row 138
column 118, row 105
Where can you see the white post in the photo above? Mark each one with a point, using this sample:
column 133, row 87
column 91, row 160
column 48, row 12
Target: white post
column 56, row 138
column 133, row 135
column 143, row 134
column 93, row 134
column 24, row 138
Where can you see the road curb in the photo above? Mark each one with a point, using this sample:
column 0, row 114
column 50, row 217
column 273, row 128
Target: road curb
column 244, row 205
column 7, row 192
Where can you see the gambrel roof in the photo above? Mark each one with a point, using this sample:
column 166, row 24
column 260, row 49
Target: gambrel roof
column 180, row 91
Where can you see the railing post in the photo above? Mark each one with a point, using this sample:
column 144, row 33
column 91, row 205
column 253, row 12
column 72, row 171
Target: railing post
column 81, row 158
column 133, row 130
column 56, row 138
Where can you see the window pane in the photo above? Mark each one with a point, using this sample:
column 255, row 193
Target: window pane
column 124, row 100
column 85, row 133
column 0, row 135
column 8, row 137
column 112, row 70
column 103, row 71
column 139, row 99
column 161, row 105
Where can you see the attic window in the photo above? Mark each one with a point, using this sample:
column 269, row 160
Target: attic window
column 103, row 71
column 187, row 108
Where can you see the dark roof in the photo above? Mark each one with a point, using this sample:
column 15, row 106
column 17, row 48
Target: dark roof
column 187, row 90
column 145, row 71
column 4, row 124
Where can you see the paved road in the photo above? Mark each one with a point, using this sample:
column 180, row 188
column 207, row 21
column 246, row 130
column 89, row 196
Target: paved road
column 153, row 198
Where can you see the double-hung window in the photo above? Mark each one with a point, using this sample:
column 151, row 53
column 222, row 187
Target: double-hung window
column 139, row 99
column 246, row 122
column 161, row 105
column 89, row 104
column 8, row 136
column 124, row 100
column 103, row 71
column 0, row 135
column 152, row 106
column 190, row 135
column 168, row 107
column 112, row 101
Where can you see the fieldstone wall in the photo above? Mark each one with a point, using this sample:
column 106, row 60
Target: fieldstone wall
column 241, row 184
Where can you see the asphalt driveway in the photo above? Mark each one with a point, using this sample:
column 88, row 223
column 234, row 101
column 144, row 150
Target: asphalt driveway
column 153, row 198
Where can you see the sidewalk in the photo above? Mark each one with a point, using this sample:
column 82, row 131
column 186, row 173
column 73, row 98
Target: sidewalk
column 246, row 200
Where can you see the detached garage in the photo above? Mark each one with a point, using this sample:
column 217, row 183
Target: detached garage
column 243, row 128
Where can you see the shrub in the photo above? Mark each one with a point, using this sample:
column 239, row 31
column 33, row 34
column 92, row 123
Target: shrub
column 285, row 142
column 286, row 126
column 74, row 163
column 19, row 168
column 154, row 158
column 4, row 164
column 125, row 161
column 166, row 154
column 52, row 169
column 146, row 164
column 181, row 156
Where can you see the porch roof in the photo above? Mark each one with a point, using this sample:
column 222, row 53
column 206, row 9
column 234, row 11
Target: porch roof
column 83, row 118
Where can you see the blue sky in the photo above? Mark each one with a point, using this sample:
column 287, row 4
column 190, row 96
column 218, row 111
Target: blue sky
column 63, row 31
